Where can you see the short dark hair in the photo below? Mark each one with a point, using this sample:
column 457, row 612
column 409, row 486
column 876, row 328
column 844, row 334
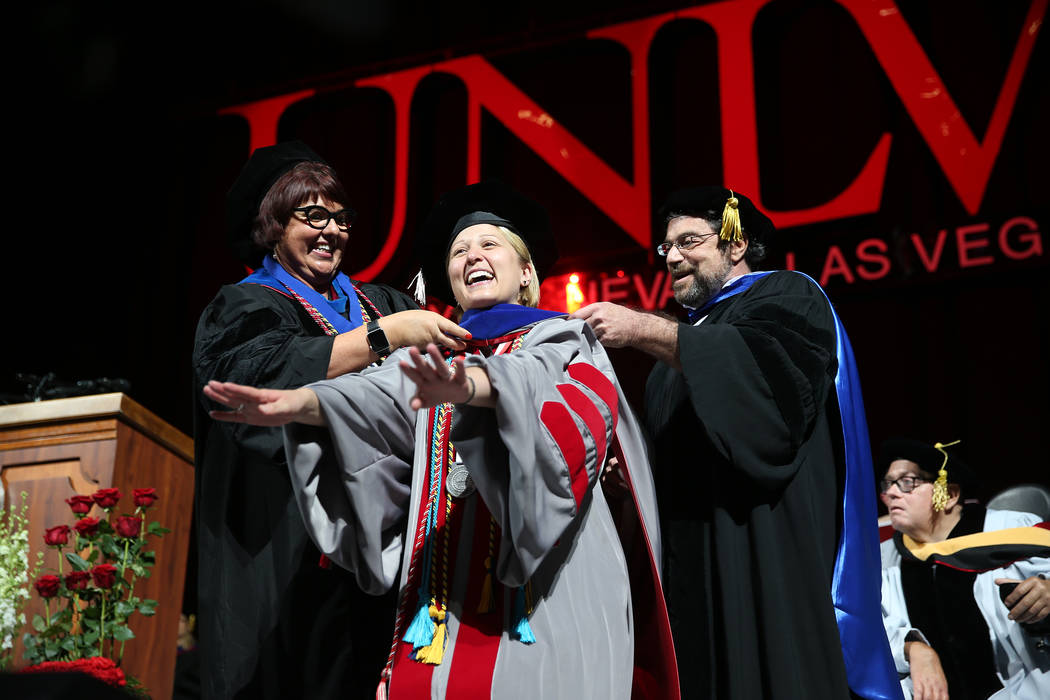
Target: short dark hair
column 756, row 250
column 305, row 181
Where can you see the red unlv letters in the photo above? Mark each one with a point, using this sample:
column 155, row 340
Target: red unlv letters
column 965, row 160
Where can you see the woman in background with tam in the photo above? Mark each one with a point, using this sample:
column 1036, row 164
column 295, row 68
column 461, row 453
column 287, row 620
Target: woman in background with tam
column 955, row 629
column 469, row 484
column 272, row 622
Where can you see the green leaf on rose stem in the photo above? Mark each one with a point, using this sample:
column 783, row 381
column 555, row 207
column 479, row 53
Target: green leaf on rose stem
column 90, row 638
column 148, row 607
column 138, row 569
column 38, row 623
column 69, row 643
column 93, row 556
column 123, row 608
column 89, row 623
column 155, row 528
column 122, row 633
column 78, row 563
column 111, row 549
column 149, row 558
column 63, row 618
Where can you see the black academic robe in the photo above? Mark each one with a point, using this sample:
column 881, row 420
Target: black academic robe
column 272, row 623
column 749, row 470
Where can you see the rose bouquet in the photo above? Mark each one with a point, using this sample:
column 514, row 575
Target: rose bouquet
column 88, row 603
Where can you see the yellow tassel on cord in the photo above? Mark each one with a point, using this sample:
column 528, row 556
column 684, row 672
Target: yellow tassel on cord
column 731, row 220
column 435, row 651
column 488, row 601
column 940, row 486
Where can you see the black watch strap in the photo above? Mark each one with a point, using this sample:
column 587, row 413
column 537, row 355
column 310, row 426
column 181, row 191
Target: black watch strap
column 377, row 341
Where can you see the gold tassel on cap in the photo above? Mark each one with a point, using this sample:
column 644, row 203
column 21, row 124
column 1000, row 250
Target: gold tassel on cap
column 940, row 486
column 731, row 220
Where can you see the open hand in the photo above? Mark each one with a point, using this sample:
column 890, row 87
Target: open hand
column 436, row 382
column 267, row 407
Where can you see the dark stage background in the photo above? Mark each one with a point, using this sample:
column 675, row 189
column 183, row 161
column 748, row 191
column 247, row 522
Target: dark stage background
column 120, row 161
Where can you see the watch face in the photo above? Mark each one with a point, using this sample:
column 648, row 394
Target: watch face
column 377, row 341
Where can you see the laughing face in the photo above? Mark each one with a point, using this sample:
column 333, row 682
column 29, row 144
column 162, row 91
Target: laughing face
column 311, row 255
column 484, row 270
column 698, row 272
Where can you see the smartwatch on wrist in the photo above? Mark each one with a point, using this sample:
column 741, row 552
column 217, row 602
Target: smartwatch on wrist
column 377, row 341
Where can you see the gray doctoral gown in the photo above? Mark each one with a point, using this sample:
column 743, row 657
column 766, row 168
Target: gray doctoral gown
column 535, row 461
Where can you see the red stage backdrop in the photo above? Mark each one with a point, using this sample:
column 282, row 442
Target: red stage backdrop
column 900, row 147
column 965, row 155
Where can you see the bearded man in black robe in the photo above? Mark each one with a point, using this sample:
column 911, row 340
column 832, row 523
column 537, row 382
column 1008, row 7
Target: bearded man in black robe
column 760, row 448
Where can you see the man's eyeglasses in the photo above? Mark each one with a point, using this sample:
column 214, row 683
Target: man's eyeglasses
column 906, row 484
column 686, row 242
column 316, row 216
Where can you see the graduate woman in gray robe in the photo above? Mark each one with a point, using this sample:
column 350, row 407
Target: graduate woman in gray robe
column 472, row 483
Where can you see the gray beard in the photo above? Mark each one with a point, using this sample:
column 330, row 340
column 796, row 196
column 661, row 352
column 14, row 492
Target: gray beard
column 704, row 287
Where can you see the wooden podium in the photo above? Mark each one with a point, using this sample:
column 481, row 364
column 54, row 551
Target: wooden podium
column 55, row 449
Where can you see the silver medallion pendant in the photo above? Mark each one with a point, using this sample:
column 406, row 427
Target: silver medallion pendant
column 458, row 482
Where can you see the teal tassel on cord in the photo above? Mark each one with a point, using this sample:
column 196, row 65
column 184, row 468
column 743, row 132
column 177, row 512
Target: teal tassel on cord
column 421, row 632
column 522, row 630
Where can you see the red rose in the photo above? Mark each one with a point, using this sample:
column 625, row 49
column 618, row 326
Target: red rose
column 80, row 505
column 128, row 526
column 98, row 666
column 144, row 498
column 105, row 575
column 106, row 498
column 56, row 536
column 47, row 586
column 77, row 580
column 86, row 527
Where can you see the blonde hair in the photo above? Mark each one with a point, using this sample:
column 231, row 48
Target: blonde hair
column 529, row 295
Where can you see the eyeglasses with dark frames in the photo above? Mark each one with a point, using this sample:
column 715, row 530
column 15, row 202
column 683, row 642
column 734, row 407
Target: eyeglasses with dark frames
column 686, row 242
column 906, row 484
column 316, row 216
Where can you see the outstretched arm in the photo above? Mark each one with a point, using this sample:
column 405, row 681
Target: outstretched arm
column 267, row 407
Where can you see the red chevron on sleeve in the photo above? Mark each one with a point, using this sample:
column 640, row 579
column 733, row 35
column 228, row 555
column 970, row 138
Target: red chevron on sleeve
column 558, row 421
column 592, row 378
column 584, row 407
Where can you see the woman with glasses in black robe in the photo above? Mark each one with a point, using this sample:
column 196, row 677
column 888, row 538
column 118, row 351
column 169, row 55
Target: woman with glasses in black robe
column 272, row 621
